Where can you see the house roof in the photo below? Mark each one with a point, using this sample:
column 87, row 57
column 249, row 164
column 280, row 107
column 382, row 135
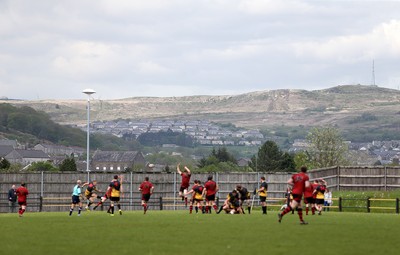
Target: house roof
column 5, row 150
column 32, row 153
column 4, row 142
column 115, row 156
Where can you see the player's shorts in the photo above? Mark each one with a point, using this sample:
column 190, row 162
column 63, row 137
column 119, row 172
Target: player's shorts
column 263, row 199
column 197, row 200
column 146, row 197
column 114, row 199
column 319, row 201
column 210, row 198
column 88, row 194
column 75, row 200
column 309, row 200
column 21, row 203
column 182, row 188
column 297, row 197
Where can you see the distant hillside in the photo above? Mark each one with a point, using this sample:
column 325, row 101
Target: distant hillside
column 343, row 106
column 30, row 127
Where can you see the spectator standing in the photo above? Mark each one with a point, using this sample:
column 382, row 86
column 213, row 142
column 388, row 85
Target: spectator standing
column 327, row 200
column 12, row 198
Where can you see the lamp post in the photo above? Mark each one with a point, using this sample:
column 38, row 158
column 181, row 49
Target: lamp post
column 88, row 92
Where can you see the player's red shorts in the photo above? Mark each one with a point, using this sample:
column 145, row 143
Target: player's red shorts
column 297, row 197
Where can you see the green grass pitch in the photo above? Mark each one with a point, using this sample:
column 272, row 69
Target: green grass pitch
column 169, row 232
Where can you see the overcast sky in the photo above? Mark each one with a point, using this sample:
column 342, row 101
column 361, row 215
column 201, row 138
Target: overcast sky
column 126, row 48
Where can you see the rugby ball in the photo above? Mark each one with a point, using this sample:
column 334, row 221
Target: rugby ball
column 150, row 165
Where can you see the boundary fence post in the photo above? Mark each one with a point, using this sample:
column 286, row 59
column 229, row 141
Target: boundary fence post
column 40, row 204
column 397, row 206
column 340, row 204
column 161, row 204
column 368, row 204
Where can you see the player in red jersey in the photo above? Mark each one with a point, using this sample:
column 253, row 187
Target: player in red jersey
column 22, row 193
column 147, row 189
column 103, row 199
column 298, row 182
column 309, row 199
column 211, row 188
column 314, row 186
column 186, row 174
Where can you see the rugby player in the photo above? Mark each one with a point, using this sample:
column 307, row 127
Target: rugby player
column 103, row 199
column 298, row 182
column 319, row 195
column 262, row 191
column 186, row 174
column 244, row 196
column 22, row 193
column 115, row 189
column 198, row 194
column 146, row 188
column 232, row 204
column 90, row 194
column 211, row 189
column 309, row 199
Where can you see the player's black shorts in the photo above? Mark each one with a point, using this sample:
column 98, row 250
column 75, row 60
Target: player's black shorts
column 263, row 199
column 21, row 203
column 297, row 197
column 210, row 198
column 309, row 200
column 146, row 197
column 319, row 201
column 114, row 199
column 182, row 188
column 75, row 200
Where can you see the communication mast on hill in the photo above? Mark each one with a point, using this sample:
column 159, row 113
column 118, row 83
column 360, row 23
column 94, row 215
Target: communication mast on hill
column 373, row 73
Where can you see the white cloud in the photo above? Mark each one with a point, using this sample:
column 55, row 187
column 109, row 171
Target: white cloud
column 383, row 41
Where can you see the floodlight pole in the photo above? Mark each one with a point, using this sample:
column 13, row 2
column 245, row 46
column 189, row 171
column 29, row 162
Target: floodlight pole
column 88, row 92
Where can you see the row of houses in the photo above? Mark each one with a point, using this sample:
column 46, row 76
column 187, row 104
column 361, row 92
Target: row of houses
column 102, row 161
column 382, row 152
column 203, row 132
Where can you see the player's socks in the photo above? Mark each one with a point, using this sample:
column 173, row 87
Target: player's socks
column 306, row 210
column 98, row 204
column 313, row 210
column 186, row 201
column 248, row 209
column 112, row 209
column 287, row 209
column 196, row 209
column 79, row 210
column 183, row 198
column 109, row 210
column 300, row 213
column 215, row 208
column 70, row 211
column 22, row 211
column 220, row 209
column 207, row 207
column 264, row 209
column 190, row 209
